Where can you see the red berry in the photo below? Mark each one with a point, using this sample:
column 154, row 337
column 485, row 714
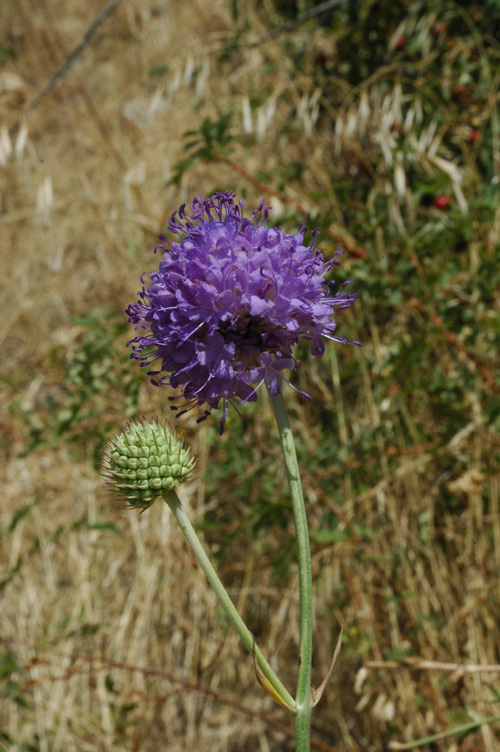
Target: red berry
column 438, row 29
column 474, row 135
column 461, row 91
column 401, row 42
column 442, row 202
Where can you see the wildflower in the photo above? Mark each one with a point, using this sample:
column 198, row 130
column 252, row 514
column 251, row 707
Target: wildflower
column 144, row 461
column 230, row 300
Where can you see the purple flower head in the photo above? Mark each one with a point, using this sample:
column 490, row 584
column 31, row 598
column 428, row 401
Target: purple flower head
column 229, row 301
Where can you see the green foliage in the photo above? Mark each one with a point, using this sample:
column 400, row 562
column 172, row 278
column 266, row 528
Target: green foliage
column 6, row 54
column 11, row 689
column 159, row 70
column 203, row 144
column 94, row 376
column 60, row 532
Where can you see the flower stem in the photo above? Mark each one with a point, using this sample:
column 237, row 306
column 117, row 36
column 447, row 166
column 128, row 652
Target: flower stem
column 171, row 498
column 303, row 695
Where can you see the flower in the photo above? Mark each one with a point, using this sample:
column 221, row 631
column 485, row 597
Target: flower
column 144, row 461
column 230, row 300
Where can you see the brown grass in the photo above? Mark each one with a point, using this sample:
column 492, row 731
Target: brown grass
column 96, row 620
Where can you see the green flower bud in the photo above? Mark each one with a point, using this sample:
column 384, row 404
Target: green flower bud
column 144, row 461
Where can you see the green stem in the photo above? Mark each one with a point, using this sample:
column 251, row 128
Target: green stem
column 171, row 498
column 303, row 695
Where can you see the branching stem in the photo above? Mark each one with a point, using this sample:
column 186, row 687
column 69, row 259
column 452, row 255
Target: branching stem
column 171, row 498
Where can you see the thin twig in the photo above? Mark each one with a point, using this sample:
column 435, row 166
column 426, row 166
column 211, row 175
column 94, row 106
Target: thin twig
column 462, row 730
column 438, row 321
column 421, row 664
column 301, row 18
column 68, row 63
column 337, row 233
column 100, row 661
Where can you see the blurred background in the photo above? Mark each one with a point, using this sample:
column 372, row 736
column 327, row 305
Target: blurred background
column 378, row 122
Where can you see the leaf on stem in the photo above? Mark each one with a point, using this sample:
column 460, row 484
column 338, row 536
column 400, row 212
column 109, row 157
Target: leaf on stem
column 266, row 684
column 318, row 693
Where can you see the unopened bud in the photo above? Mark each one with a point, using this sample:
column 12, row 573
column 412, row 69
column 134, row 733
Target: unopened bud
column 144, row 461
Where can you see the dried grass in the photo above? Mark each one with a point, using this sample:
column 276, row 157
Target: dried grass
column 95, row 619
